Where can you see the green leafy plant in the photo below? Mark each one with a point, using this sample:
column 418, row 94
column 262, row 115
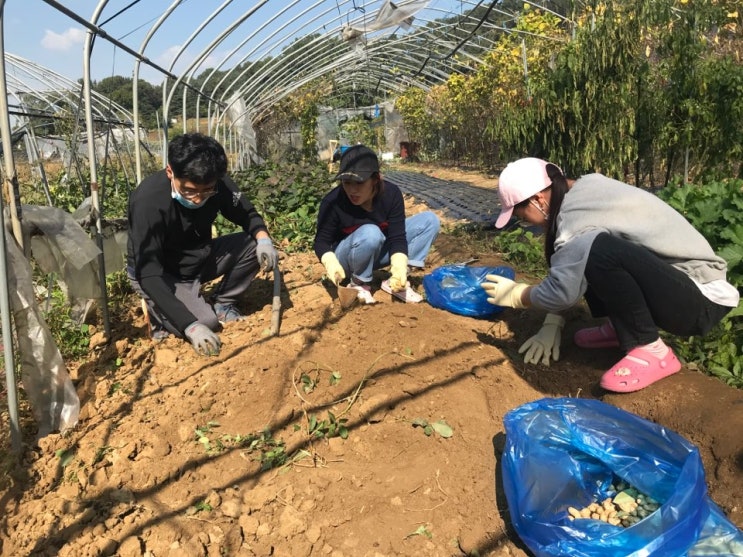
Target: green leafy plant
column 288, row 196
column 101, row 453
column 522, row 249
column 308, row 384
column 422, row 530
column 202, row 436
column 271, row 452
column 716, row 210
column 330, row 427
column 118, row 288
column 440, row 427
column 65, row 456
column 73, row 340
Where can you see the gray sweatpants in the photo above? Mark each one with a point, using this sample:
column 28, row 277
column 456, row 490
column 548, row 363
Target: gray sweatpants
column 233, row 257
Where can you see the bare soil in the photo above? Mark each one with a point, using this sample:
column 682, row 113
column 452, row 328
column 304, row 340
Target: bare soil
column 140, row 479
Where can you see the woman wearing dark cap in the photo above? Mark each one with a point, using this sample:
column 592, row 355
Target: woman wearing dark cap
column 636, row 260
column 361, row 226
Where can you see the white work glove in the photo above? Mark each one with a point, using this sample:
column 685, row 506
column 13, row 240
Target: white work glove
column 266, row 253
column 333, row 267
column 203, row 339
column 399, row 271
column 545, row 343
column 503, row 291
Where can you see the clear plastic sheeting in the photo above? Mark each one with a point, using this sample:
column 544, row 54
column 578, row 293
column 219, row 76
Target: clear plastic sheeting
column 65, row 249
column 389, row 15
column 330, row 119
column 239, row 115
column 394, row 128
column 46, row 382
column 73, row 243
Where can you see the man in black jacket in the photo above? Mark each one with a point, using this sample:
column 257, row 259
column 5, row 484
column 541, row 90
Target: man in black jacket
column 171, row 252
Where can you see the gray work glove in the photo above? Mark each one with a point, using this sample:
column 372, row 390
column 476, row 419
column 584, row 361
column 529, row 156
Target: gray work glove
column 203, row 339
column 267, row 255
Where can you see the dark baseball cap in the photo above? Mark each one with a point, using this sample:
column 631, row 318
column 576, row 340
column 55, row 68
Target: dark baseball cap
column 358, row 163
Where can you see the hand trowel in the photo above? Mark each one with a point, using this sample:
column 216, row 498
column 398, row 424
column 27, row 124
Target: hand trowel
column 347, row 296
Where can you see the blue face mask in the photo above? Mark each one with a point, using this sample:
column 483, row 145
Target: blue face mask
column 185, row 202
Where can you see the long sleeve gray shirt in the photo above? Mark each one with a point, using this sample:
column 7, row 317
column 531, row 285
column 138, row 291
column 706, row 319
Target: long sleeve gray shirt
column 597, row 204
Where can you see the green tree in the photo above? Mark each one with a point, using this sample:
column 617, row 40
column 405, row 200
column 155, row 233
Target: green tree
column 120, row 90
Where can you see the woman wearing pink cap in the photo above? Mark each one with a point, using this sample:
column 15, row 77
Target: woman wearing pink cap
column 636, row 261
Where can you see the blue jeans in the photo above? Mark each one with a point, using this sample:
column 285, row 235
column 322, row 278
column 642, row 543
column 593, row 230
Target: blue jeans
column 366, row 249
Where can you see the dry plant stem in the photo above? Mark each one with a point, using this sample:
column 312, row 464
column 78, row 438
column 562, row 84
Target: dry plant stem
column 438, row 473
column 317, row 370
column 414, row 533
column 355, row 395
column 438, row 484
column 406, row 449
column 351, row 398
column 284, row 501
column 318, row 461
column 203, row 520
column 444, row 502
column 303, row 454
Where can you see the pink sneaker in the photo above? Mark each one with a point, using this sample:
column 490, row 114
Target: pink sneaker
column 597, row 337
column 638, row 369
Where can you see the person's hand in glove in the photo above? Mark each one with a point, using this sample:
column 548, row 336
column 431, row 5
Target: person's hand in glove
column 399, row 271
column 266, row 254
column 203, row 339
column 545, row 343
column 333, row 267
column 503, row 291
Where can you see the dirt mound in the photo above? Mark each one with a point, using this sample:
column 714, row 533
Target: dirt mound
column 177, row 454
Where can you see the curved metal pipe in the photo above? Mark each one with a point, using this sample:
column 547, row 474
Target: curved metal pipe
column 15, row 429
column 94, row 194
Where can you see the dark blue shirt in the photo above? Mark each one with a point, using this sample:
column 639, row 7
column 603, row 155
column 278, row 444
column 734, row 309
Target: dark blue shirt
column 339, row 218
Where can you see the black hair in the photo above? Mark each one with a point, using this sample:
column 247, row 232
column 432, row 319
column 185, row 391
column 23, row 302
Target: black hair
column 559, row 189
column 198, row 158
column 379, row 184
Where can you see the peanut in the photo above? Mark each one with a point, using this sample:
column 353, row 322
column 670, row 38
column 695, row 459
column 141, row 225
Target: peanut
column 626, row 507
column 575, row 513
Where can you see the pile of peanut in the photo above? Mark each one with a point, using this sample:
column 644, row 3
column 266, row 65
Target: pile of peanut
column 626, row 508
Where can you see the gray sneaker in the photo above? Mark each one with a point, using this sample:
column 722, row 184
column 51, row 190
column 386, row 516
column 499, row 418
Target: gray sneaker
column 159, row 335
column 227, row 313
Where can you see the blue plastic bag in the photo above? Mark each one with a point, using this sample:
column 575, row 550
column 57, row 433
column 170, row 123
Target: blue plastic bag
column 456, row 288
column 565, row 452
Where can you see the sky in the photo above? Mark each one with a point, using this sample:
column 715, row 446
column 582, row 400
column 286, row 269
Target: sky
column 38, row 32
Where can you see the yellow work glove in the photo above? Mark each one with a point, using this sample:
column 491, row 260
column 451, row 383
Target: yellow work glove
column 333, row 267
column 545, row 343
column 399, row 271
column 503, row 291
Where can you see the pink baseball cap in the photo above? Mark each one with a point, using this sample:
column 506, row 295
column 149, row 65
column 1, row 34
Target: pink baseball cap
column 519, row 181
